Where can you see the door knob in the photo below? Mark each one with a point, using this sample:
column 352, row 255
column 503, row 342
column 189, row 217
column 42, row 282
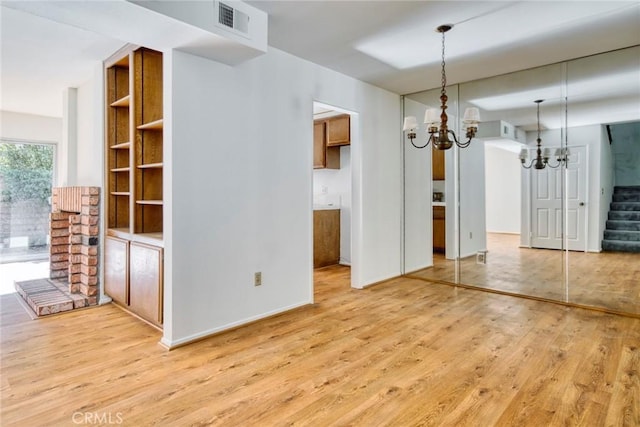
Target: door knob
column 581, row 203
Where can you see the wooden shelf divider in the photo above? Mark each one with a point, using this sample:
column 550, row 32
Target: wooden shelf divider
column 149, row 202
column 154, row 125
column 121, row 146
column 150, row 166
column 122, row 102
column 127, row 169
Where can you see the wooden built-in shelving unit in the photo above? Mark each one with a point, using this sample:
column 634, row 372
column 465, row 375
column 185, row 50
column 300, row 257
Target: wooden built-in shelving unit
column 134, row 152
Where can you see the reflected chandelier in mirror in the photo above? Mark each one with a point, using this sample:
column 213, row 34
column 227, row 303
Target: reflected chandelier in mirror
column 542, row 156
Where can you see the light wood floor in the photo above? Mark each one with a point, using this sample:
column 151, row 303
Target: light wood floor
column 606, row 280
column 401, row 353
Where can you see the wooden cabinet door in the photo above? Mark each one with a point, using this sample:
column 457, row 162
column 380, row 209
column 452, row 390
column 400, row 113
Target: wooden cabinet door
column 326, row 237
column 439, row 229
column 145, row 281
column 319, row 159
column 324, row 157
column 116, row 269
column 339, row 130
column 437, row 164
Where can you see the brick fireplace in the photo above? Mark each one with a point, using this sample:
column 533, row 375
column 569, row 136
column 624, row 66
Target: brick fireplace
column 74, row 230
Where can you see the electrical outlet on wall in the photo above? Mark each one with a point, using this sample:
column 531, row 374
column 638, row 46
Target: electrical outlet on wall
column 257, row 278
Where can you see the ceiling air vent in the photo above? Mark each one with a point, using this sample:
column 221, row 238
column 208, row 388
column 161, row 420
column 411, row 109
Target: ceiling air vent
column 233, row 18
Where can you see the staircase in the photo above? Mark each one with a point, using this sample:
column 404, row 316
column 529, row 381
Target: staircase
column 623, row 227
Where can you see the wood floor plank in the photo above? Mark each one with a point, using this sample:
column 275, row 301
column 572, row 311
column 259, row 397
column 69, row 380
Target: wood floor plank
column 607, row 280
column 403, row 353
column 624, row 409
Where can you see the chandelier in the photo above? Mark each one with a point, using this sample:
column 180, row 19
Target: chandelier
column 542, row 157
column 439, row 131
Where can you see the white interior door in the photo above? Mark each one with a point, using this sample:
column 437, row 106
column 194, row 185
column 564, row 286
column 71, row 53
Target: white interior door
column 576, row 194
column 546, row 204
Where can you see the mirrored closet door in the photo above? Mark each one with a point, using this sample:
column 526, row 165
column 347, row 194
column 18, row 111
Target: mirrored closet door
column 563, row 226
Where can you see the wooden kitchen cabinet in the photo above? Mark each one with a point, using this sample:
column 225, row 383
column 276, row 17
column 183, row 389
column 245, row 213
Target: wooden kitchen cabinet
column 326, row 237
column 439, row 229
column 338, row 130
column 437, row 164
column 324, row 157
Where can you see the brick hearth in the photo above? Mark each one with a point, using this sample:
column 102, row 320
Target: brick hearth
column 74, row 230
column 46, row 296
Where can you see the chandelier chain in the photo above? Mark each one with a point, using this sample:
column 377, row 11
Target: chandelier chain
column 538, row 119
column 444, row 76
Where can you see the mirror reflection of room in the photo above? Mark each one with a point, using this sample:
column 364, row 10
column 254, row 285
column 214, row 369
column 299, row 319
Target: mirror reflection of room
column 565, row 227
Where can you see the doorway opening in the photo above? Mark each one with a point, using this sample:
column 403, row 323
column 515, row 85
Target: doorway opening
column 333, row 132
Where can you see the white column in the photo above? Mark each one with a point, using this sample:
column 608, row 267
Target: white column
column 68, row 148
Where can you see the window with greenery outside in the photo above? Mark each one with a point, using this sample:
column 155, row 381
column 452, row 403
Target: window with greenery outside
column 26, row 172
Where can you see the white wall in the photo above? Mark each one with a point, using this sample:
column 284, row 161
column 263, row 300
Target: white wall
column 68, row 148
column 418, row 212
column 338, row 185
column 239, row 168
column 502, row 175
column 30, row 127
column 90, row 131
column 473, row 228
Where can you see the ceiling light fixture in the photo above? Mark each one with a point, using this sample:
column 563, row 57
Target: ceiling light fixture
column 542, row 158
column 438, row 129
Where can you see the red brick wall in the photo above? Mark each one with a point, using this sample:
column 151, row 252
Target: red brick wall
column 59, row 247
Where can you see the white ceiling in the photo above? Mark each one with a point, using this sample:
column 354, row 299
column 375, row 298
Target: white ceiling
column 391, row 44
column 394, row 45
column 40, row 58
